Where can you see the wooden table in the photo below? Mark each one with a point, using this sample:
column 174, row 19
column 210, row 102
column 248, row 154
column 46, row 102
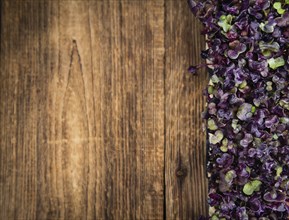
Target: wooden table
column 99, row 118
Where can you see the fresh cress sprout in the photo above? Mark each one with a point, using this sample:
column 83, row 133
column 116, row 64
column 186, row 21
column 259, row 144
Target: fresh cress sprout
column 247, row 110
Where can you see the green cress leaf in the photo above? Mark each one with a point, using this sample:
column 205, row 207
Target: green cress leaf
column 252, row 186
column 212, row 124
column 274, row 63
column 278, row 7
column 225, row 22
column 216, row 138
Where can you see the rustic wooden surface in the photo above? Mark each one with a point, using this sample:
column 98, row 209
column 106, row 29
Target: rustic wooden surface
column 98, row 117
column 185, row 143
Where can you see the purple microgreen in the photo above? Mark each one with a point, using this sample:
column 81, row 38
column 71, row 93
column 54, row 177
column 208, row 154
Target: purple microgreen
column 247, row 109
column 236, row 48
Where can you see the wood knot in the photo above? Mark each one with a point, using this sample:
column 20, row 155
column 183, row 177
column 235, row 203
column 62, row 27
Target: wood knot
column 181, row 172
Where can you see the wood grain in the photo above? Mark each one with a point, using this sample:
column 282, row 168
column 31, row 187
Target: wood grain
column 98, row 117
column 186, row 185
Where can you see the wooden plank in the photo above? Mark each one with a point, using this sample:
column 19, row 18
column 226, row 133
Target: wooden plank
column 19, row 89
column 186, row 185
column 82, row 110
column 129, row 48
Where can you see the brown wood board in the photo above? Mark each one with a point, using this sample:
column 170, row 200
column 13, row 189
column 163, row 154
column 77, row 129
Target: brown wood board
column 99, row 118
